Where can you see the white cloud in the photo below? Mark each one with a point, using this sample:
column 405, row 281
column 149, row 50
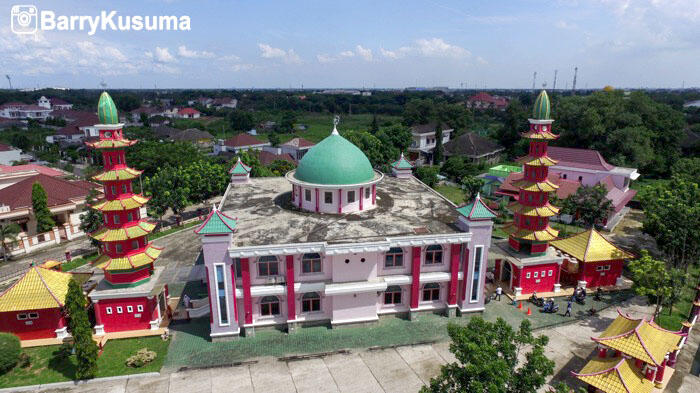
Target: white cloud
column 433, row 47
column 183, row 51
column 347, row 53
column 564, row 25
column 325, row 58
column 481, row 60
column 364, row 52
column 161, row 55
column 288, row 56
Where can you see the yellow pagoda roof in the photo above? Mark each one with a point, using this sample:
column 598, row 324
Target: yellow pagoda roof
column 542, row 135
column 547, row 210
column 536, row 161
column 150, row 254
column 546, row 234
column 50, row 264
column 131, row 202
column 527, row 185
column 118, row 174
column 590, row 246
column 640, row 339
column 614, row 375
column 38, row 289
column 111, row 143
column 106, row 234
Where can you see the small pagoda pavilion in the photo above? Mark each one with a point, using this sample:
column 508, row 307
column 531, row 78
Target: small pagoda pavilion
column 530, row 264
column 128, row 297
column 240, row 173
column 402, row 168
column 32, row 308
column 633, row 357
column 591, row 260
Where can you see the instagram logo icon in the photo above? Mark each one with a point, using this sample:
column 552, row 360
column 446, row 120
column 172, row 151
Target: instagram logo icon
column 24, row 19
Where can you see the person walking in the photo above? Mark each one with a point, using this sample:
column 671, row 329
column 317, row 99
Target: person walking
column 568, row 309
column 499, row 292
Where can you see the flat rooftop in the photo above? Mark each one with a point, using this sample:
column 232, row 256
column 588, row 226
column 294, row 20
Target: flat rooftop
column 267, row 216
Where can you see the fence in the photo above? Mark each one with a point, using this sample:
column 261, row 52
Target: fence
column 28, row 244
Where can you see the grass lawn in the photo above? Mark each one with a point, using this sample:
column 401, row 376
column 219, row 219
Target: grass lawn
column 455, row 194
column 77, row 262
column 681, row 309
column 156, row 235
column 566, row 229
column 45, row 369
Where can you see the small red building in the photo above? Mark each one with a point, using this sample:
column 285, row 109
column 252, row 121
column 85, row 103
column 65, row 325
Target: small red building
column 590, row 260
column 32, row 308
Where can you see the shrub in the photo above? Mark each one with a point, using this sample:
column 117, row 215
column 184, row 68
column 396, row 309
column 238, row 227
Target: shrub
column 9, row 351
column 142, row 357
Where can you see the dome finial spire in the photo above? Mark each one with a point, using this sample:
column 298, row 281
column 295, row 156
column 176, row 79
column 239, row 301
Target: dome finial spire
column 336, row 120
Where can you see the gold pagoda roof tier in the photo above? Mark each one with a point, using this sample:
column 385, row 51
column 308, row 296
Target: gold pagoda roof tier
column 132, row 202
column 543, row 186
column 640, row 339
column 38, row 289
column 590, row 246
column 118, row 174
column 546, row 234
column 111, row 143
column 147, row 256
column 614, row 375
column 540, row 135
column 106, row 234
column 536, row 161
column 547, row 210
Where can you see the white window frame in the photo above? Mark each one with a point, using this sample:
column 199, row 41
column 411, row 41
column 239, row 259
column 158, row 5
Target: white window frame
column 537, row 274
column 29, row 315
column 108, row 310
column 120, row 310
column 550, row 273
column 543, row 274
column 527, row 275
column 349, row 193
column 482, row 273
column 325, row 195
column 218, row 304
column 22, row 317
column 139, row 308
column 129, row 308
column 307, row 195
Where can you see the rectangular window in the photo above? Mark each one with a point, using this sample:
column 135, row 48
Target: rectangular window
column 270, row 309
column 114, row 190
column 237, row 264
column 115, row 218
column 392, row 297
column 431, row 293
column 311, row 304
column 222, row 302
column 367, row 191
column 21, row 317
column 108, row 310
column 563, row 176
column 527, row 275
column 307, row 195
column 311, row 265
column 267, row 268
column 328, row 197
column 476, row 275
column 139, row 308
column 120, row 310
column 536, row 274
column 124, row 188
column 351, row 196
column 134, row 244
column 550, row 273
column 129, row 308
column 543, row 273
column 580, row 178
column 394, row 258
column 33, row 315
column 119, row 247
column 130, row 216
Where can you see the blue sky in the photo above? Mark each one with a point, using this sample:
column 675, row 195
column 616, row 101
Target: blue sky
column 379, row 43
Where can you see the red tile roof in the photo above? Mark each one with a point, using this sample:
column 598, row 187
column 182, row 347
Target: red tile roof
column 77, row 119
column 58, row 191
column 243, row 140
column 187, row 111
column 566, row 187
column 266, row 157
column 58, row 101
column 578, row 158
column 32, row 167
column 4, row 147
column 298, row 142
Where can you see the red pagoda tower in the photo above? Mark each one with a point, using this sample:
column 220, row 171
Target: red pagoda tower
column 532, row 265
column 126, row 299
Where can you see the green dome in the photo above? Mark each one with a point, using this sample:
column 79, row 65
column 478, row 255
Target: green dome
column 334, row 160
column 106, row 110
column 542, row 107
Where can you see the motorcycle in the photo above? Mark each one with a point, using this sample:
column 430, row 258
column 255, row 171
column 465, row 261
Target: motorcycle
column 537, row 301
column 550, row 307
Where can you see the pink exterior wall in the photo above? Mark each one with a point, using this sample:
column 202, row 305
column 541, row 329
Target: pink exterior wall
column 215, row 250
column 127, row 320
column 332, row 208
column 538, row 283
column 44, row 326
column 355, row 307
column 355, row 269
column 588, row 178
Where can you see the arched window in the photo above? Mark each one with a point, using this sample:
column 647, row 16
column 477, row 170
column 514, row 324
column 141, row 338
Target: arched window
column 268, row 266
column 394, row 257
column 392, row 295
column 311, row 302
column 433, row 255
column 269, row 305
column 431, row 292
column 311, row 263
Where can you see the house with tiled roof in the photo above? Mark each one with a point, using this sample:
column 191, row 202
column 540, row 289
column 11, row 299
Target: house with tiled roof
column 54, row 103
column 296, row 147
column 80, row 126
column 485, row 100
column 268, row 157
column 240, row 142
column 477, row 148
column 193, row 135
column 11, row 174
column 32, row 308
column 423, row 145
column 188, row 113
column 9, row 154
column 21, row 111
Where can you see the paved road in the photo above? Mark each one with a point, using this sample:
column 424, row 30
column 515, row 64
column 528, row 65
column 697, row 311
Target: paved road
column 401, row 370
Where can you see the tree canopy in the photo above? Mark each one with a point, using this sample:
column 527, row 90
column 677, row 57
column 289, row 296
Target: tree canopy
column 42, row 214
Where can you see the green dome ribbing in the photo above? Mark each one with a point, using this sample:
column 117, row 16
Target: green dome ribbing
column 542, row 107
column 106, row 110
column 334, row 160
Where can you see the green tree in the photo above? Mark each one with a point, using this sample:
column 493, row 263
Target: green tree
column 438, row 152
column 241, row 120
column 257, row 169
column 374, row 126
column 418, row 111
column 487, row 359
column 85, row 347
column 280, row 167
column 652, row 278
column 687, row 168
column 589, row 205
column 471, row 185
column 42, row 214
column 428, row 175
column 514, row 123
column 370, row 145
column 8, row 234
column 144, row 120
column 91, row 219
column 10, row 349
column 287, row 122
column 169, row 188
column 274, row 139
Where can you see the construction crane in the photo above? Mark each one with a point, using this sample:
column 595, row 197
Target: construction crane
column 554, row 85
column 534, row 79
column 9, row 80
column 573, row 87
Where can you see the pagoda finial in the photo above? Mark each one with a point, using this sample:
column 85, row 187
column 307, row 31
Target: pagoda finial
column 106, row 110
column 213, row 205
column 541, row 109
column 336, row 120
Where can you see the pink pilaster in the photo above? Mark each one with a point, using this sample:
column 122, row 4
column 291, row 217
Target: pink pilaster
column 98, row 313
column 317, row 202
column 465, row 273
column 233, row 292
column 211, row 309
column 301, row 197
column 454, row 274
column 374, row 194
column 362, row 196
column 660, row 372
column 340, row 201
column 415, row 272
column 291, row 304
column 247, row 300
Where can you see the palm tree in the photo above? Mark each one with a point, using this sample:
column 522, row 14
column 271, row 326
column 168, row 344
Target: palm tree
column 8, row 234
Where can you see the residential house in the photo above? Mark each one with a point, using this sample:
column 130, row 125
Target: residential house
column 188, row 113
column 296, row 147
column 240, row 142
column 423, row 145
column 267, row 157
column 54, row 104
column 9, row 154
column 225, row 102
column 485, row 100
column 81, row 126
column 21, row 111
column 11, row 174
column 477, row 148
column 203, row 101
column 149, row 111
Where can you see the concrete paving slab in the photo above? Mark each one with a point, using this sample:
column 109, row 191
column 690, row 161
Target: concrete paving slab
column 190, row 381
column 351, row 374
column 271, row 376
column 231, row 380
column 392, row 372
column 423, row 360
column 118, row 386
column 312, row 376
column 160, row 384
column 443, row 349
